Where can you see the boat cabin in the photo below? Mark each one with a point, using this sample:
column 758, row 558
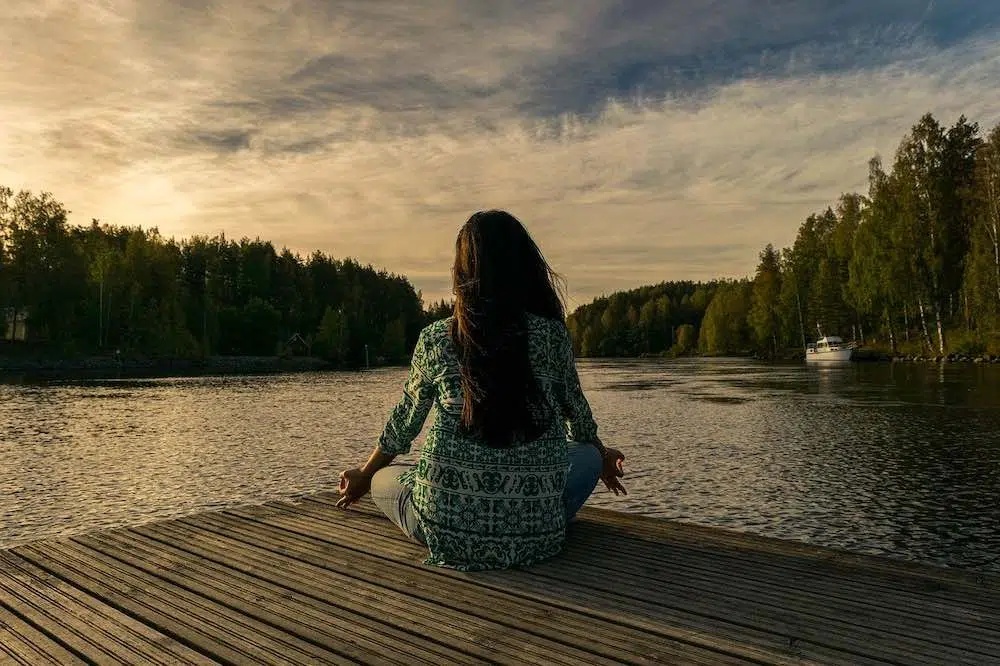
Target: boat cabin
column 828, row 343
column 829, row 348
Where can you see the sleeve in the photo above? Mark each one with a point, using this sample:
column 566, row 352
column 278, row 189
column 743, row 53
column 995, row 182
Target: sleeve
column 411, row 411
column 580, row 424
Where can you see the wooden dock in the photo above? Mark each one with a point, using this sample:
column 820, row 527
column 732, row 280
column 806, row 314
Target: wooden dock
column 304, row 582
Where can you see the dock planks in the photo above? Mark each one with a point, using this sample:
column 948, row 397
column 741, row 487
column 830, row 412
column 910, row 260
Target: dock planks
column 303, row 582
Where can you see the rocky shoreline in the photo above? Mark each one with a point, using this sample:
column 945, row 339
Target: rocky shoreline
column 876, row 356
column 949, row 358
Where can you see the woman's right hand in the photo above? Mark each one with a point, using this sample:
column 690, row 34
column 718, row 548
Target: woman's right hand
column 354, row 484
column 613, row 470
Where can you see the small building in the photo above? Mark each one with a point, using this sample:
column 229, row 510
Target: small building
column 297, row 346
column 15, row 325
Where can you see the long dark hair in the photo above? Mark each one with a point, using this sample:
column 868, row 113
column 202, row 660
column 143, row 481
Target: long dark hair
column 500, row 275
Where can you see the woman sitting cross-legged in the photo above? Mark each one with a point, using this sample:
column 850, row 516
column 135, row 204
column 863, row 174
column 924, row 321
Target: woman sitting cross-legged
column 512, row 453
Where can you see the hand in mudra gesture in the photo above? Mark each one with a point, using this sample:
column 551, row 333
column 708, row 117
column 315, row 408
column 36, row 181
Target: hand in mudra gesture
column 354, row 484
column 613, row 470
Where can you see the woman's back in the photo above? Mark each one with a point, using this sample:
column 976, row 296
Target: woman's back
column 481, row 506
column 498, row 476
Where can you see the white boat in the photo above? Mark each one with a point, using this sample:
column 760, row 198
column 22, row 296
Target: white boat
column 829, row 349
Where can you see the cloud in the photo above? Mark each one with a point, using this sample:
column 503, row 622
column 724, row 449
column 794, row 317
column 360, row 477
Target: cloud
column 640, row 141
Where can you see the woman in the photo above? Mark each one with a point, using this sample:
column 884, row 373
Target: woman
column 513, row 451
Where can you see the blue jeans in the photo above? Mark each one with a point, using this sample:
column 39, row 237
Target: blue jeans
column 393, row 498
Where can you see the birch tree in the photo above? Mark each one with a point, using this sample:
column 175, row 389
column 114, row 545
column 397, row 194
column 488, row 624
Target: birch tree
column 935, row 169
column 983, row 274
column 5, row 284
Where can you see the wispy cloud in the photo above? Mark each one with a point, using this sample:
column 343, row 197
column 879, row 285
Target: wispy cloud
column 640, row 141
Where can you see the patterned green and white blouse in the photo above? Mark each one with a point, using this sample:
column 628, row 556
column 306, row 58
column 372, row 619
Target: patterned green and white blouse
column 481, row 507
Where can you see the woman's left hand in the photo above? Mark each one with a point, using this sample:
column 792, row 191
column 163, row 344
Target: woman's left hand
column 354, row 484
column 613, row 470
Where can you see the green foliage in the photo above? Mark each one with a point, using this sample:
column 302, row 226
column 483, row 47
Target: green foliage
column 917, row 270
column 332, row 337
column 647, row 320
column 981, row 289
column 687, row 338
column 764, row 317
column 253, row 329
column 102, row 288
column 907, row 262
column 725, row 329
column 900, row 267
column 394, row 341
column 687, row 341
column 969, row 344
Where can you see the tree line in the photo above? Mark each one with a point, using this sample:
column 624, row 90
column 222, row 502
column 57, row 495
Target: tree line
column 912, row 265
column 104, row 289
column 655, row 319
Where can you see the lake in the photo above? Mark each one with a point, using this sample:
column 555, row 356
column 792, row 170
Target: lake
column 892, row 459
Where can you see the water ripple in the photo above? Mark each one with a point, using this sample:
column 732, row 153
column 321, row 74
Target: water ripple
column 890, row 460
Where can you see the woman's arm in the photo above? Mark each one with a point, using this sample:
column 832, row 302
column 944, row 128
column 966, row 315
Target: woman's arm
column 411, row 411
column 400, row 430
column 580, row 424
column 376, row 461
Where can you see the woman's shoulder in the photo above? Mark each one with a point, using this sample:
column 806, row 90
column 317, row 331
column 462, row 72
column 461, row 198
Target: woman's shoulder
column 433, row 346
column 437, row 331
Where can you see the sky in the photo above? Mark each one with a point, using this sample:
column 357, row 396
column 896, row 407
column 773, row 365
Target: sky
column 639, row 141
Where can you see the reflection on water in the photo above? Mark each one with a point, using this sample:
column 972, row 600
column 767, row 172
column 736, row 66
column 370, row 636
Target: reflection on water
column 889, row 459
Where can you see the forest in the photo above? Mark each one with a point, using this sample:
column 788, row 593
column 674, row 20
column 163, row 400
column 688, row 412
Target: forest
column 101, row 289
column 657, row 319
column 910, row 266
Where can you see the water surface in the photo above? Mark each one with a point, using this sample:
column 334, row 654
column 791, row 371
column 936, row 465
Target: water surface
column 900, row 460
